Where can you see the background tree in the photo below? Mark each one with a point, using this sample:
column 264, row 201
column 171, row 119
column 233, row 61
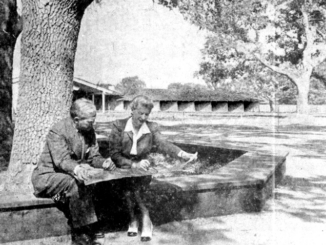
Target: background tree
column 175, row 86
column 10, row 27
column 288, row 37
column 49, row 42
column 130, row 85
column 225, row 68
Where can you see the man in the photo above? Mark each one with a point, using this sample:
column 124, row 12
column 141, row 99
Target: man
column 70, row 157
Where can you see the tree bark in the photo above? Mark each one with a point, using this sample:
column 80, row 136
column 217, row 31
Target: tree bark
column 10, row 28
column 271, row 105
column 302, row 97
column 49, row 42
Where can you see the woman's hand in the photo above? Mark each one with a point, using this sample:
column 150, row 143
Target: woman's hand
column 188, row 156
column 109, row 165
column 142, row 165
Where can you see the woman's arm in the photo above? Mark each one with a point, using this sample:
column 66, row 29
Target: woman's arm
column 162, row 144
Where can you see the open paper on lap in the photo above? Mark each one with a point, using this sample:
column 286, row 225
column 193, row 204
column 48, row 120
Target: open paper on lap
column 161, row 167
column 118, row 173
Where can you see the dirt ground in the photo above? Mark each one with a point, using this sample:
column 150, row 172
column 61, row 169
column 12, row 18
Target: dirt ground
column 296, row 215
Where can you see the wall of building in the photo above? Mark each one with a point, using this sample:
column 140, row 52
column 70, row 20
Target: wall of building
column 203, row 106
column 235, row 107
column 119, row 106
column 219, row 106
column 251, row 106
column 169, row 106
column 126, row 105
column 186, row 106
column 157, row 106
column 216, row 107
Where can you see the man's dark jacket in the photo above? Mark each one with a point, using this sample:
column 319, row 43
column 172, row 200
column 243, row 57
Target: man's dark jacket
column 65, row 148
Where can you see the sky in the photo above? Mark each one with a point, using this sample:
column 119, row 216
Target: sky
column 126, row 38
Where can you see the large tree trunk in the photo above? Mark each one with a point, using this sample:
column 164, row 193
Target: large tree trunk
column 271, row 105
column 49, row 42
column 303, row 85
column 9, row 30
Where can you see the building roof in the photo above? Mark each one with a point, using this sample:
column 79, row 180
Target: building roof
column 92, row 88
column 170, row 95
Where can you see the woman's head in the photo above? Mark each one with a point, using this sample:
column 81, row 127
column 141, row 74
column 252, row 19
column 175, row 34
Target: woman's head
column 143, row 101
column 141, row 107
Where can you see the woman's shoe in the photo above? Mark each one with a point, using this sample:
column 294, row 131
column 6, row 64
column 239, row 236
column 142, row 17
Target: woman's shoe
column 98, row 238
column 147, row 235
column 133, row 228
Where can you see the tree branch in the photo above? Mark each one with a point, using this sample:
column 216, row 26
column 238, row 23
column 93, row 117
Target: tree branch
column 288, row 73
column 307, row 52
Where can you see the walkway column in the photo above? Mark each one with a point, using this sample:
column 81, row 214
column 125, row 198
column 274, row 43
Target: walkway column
column 93, row 98
column 103, row 102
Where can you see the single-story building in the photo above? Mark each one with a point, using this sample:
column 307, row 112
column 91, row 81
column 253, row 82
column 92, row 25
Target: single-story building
column 98, row 93
column 106, row 99
column 102, row 95
column 204, row 101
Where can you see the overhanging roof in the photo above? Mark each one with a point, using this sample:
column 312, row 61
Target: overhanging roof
column 199, row 96
column 91, row 87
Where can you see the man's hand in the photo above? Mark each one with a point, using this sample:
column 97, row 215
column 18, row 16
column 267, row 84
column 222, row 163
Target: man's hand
column 142, row 165
column 109, row 165
column 81, row 172
column 188, row 156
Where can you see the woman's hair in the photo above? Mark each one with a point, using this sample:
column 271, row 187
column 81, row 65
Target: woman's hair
column 141, row 100
column 82, row 108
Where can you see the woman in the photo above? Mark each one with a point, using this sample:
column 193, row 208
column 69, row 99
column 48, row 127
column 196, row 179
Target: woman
column 130, row 142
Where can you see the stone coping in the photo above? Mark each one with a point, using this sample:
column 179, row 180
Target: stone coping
column 254, row 168
column 13, row 201
column 246, row 171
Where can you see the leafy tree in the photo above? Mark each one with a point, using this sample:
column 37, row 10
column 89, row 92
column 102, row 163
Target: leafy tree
column 225, row 68
column 288, row 37
column 175, row 86
column 130, row 85
column 188, row 89
column 10, row 23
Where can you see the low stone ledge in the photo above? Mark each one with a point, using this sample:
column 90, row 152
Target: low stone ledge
column 16, row 202
column 243, row 185
column 25, row 217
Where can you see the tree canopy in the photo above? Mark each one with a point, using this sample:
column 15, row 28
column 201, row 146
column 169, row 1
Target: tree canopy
column 130, row 85
column 287, row 37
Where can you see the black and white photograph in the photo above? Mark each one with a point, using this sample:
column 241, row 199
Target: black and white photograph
column 162, row 122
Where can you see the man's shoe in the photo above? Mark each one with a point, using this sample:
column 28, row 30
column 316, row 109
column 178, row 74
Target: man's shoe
column 80, row 239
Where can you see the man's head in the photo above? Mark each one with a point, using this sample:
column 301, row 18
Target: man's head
column 141, row 107
column 83, row 113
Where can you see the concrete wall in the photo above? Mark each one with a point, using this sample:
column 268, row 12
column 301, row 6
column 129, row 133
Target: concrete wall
column 169, row 106
column 318, row 108
column 186, row 106
column 203, row 106
column 235, row 107
column 219, row 106
column 251, row 106
column 222, row 107
column 278, row 108
column 119, row 106
column 157, row 106
column 126, row 105
column 264, row 108
column 285, row 108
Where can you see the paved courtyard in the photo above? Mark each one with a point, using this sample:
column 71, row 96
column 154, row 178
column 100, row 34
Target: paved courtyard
column 296, row 215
